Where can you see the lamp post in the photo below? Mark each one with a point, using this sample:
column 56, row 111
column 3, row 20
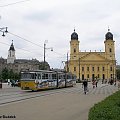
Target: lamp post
column 45, row 51
column 3, row 30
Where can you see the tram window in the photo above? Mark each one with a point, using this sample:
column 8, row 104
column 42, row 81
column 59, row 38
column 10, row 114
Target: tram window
column 39, row 76
column 44, row 76
column 32, row 76
column 68, row 76
column 59, row 77
column 54, row 76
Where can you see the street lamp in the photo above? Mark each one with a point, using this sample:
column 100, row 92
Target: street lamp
column 45, row 51
column 4, row 30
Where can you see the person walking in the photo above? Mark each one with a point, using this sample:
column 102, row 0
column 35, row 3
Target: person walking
column 85, row 86
column 118, row 84
column 94, row 83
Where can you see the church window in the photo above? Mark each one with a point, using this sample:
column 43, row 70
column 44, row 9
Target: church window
column 74, row 68
column 87, row 68
column 87, row 75
column 103, row 76
column 10, row 53
column 103, row 68
column 82, row 76
column 92, row 68
column 98, row 76
column 110, row 68
column 74, row 50
column 110, row 50
column 98, row 68
column 82, row 68
column 111, row 75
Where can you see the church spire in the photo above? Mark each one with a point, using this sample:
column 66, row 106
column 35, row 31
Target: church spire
column 12, row 47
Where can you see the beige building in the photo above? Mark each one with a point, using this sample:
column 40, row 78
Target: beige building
column 92, row 65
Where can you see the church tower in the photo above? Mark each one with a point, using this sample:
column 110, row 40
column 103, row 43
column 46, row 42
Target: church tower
column 109, row 46
column 11, row 54
column 74, row 46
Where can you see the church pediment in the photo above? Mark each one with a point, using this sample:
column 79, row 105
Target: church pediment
column 93, row 57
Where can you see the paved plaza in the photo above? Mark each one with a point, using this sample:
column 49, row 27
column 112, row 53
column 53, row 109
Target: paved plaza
column 60, row 104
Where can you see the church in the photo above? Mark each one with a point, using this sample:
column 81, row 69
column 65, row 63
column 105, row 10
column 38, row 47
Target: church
column 92, row 65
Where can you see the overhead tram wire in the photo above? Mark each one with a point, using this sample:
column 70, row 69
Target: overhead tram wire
column 32, row 42
column 20, row 49
column 25, row 39
column 14, row 3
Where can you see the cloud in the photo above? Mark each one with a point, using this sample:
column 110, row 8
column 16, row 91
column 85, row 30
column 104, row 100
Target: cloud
column 54, row 21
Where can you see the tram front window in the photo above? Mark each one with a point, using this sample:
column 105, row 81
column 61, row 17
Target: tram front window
column 28, row 76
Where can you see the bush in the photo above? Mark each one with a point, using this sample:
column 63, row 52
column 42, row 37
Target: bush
column 108, row 109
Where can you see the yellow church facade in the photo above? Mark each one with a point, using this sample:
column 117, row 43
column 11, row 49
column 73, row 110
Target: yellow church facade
column 92, row 65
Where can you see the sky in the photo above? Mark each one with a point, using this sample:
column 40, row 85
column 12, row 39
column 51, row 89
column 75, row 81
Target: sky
column 31, row 23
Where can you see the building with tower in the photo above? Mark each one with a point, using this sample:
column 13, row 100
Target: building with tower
column 92, row 65
column 17, row 65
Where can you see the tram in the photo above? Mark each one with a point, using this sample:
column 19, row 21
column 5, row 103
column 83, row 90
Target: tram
column 43, row 79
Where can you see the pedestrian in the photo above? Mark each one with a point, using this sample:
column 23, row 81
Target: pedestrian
column 96, row 83
column 85, row 86
column 93, row 83
column 115, row 83
column 118, row 84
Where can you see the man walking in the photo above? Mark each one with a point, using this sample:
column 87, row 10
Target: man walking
column 85, row 86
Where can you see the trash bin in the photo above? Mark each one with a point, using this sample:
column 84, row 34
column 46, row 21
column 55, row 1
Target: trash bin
column 0, row 85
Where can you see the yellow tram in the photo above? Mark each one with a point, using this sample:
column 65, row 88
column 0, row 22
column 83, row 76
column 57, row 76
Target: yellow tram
column 43, row 79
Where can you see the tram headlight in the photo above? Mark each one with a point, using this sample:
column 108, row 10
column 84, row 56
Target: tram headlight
column 36, row 81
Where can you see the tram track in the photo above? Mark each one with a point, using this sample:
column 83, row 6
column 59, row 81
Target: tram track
column 26, row 95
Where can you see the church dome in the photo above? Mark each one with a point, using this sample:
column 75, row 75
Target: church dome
column 74, row 36
column 109, row 35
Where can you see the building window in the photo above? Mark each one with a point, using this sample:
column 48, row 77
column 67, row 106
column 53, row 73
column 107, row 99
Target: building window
column 74, row 68
column 98, row 68
column 82, row 68
column 92, row 68
column 87, row 68
column 74, row 50
column 103, row 68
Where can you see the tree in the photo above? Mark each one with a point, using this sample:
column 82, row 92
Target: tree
column 5, row 74
column 41, row 66
column 11, row 74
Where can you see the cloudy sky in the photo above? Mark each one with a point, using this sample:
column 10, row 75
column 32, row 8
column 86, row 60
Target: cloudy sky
column 32, row 22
